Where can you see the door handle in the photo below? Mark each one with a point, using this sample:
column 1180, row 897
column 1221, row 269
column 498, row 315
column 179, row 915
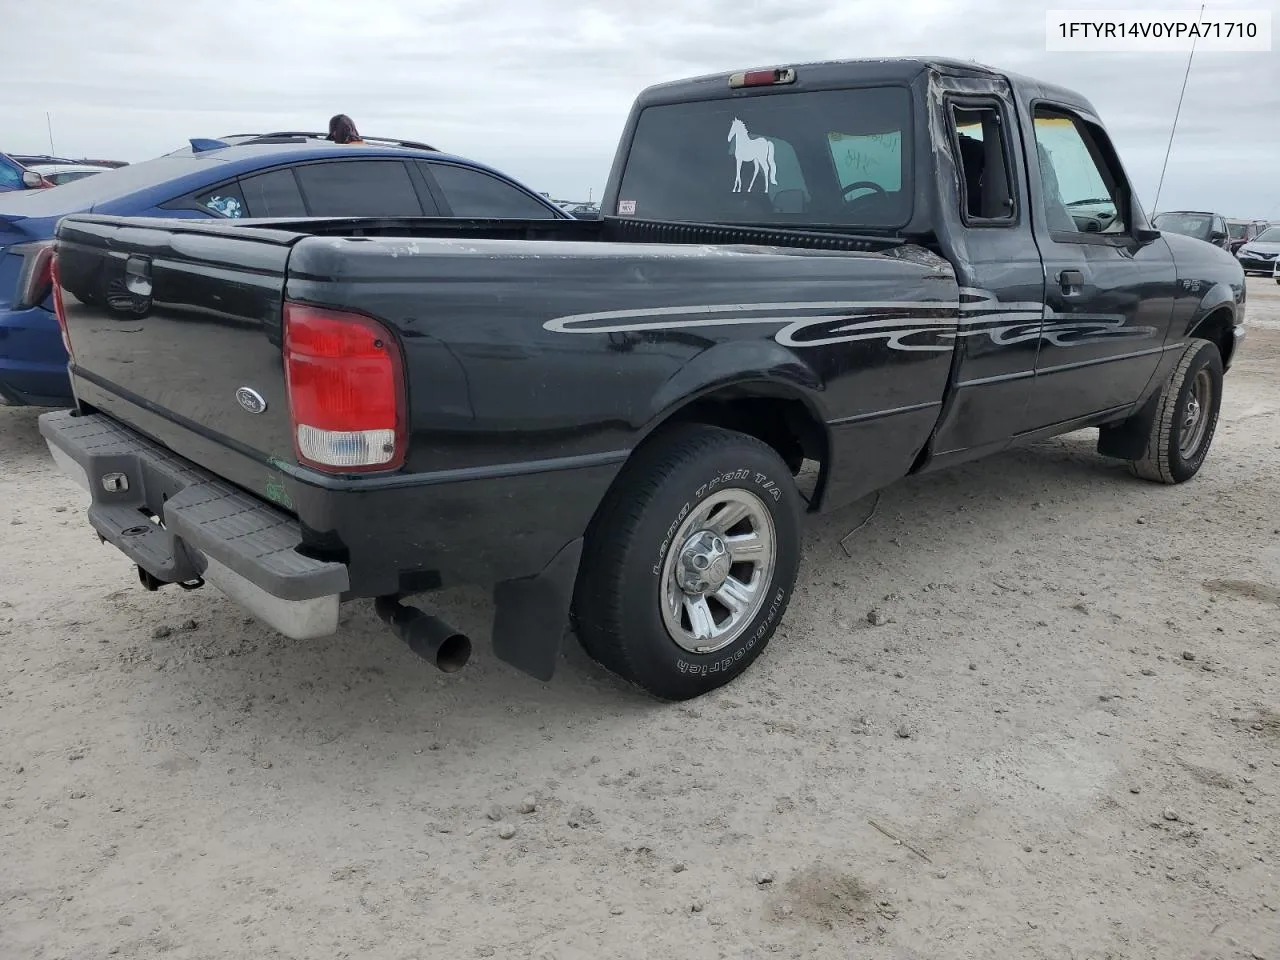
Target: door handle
column 1071, row 281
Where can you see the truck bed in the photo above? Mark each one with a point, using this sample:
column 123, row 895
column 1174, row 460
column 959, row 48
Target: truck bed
column 531, row 351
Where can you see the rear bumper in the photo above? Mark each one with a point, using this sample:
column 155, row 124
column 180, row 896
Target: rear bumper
column 33, row 361
column 208, row 529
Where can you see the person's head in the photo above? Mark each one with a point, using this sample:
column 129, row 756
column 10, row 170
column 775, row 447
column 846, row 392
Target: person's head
column 342, row 129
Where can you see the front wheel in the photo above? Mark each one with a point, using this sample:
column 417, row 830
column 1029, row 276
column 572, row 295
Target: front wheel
column 689, row 565
column 1186, row 417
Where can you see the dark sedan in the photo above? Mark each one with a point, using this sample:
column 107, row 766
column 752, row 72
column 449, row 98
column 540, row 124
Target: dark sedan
column 1209, row 227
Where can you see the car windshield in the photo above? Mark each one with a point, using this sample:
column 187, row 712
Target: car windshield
column 1235, row 229
column 1188, row 224
column 834, row 157
column 1269, row 235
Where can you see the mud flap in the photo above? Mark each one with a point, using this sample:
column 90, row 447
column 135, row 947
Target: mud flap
column 531, row 614
column 1127, row 440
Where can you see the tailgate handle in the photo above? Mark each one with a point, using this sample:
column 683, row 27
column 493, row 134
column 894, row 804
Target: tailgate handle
column 137, row 276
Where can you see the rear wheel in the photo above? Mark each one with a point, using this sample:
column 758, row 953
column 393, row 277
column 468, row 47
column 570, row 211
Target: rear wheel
column 1186, row 417
column 690, row 563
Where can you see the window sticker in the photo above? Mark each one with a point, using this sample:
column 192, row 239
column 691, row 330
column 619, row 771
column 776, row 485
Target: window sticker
column 757, row 151
column 227, row 206
column 626, row 208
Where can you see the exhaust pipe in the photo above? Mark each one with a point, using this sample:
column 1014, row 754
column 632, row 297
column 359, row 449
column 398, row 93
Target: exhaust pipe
column 429, row 637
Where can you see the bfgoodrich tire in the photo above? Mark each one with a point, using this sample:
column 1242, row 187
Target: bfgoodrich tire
column 690, row 562
column 1186, row 417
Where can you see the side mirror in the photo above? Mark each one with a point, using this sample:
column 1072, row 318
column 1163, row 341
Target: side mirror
column 1146, row 234
column 1217, row 236
column 32, row 179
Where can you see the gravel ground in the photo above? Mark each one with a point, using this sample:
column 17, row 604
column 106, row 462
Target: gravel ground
column 1061, row 740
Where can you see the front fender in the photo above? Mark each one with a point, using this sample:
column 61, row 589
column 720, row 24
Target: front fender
column 1218, row 297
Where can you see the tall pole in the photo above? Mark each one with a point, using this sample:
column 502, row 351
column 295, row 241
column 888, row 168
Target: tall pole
column 48, row 122
column 1155, row 208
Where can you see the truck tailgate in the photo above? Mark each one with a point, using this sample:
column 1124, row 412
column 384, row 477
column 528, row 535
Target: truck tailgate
column 168, row 327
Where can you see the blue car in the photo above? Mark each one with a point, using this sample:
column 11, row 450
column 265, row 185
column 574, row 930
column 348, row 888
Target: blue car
column 270, row 175
column 14, row 176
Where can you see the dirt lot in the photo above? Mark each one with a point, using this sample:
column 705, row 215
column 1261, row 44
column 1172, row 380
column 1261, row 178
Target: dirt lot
column 1071, row 721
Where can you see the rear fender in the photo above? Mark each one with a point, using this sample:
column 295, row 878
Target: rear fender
column 762, row 365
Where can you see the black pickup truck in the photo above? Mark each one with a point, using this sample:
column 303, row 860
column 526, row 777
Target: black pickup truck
column 883, row 266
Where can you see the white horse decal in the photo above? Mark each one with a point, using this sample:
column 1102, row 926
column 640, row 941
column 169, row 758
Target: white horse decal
column 754, row 150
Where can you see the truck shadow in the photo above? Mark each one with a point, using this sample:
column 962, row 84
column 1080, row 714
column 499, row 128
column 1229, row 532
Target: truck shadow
column 362, row 686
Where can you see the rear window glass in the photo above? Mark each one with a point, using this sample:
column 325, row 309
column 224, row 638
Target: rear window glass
column 839, row 157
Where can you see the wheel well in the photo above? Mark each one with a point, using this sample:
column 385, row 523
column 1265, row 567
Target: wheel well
column 1218, row 329
column 785, row 423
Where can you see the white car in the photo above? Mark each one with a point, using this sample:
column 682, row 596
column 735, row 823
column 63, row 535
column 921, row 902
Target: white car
column 1262, row 253
column 59, row 173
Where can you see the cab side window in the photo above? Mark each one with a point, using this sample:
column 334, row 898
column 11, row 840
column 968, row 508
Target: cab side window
column 982, row 159
column 1081, row 192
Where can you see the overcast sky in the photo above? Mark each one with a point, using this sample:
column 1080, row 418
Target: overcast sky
column 540, row 88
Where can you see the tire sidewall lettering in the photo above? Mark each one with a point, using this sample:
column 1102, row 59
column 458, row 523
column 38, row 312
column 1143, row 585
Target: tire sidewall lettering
column 725, row 660
column 756, row 478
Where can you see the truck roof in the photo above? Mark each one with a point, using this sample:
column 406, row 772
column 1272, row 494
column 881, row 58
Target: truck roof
column 836, row 73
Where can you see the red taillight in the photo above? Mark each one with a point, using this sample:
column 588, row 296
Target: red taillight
column 345, row 382
column 59, row 310
column 763, row 78
column 35, row 276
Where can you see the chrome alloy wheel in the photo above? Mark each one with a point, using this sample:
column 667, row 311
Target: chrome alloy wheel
column 1195, row 417
column 717, row 571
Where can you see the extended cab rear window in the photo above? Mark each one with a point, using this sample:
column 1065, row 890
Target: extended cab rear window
column 831, row 157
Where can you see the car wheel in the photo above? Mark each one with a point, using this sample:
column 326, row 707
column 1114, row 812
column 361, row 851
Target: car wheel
column 689, row 564
column 1186, row 417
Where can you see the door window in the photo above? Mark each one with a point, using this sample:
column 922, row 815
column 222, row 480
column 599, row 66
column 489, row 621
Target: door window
column 10, row 176
column 273, row 194
column 358, row 188
column 471, row 193
column 1080, row 193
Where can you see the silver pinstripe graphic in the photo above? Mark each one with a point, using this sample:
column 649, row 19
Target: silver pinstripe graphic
column 924, row 325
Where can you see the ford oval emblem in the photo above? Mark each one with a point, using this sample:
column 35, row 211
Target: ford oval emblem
column 251, row 400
